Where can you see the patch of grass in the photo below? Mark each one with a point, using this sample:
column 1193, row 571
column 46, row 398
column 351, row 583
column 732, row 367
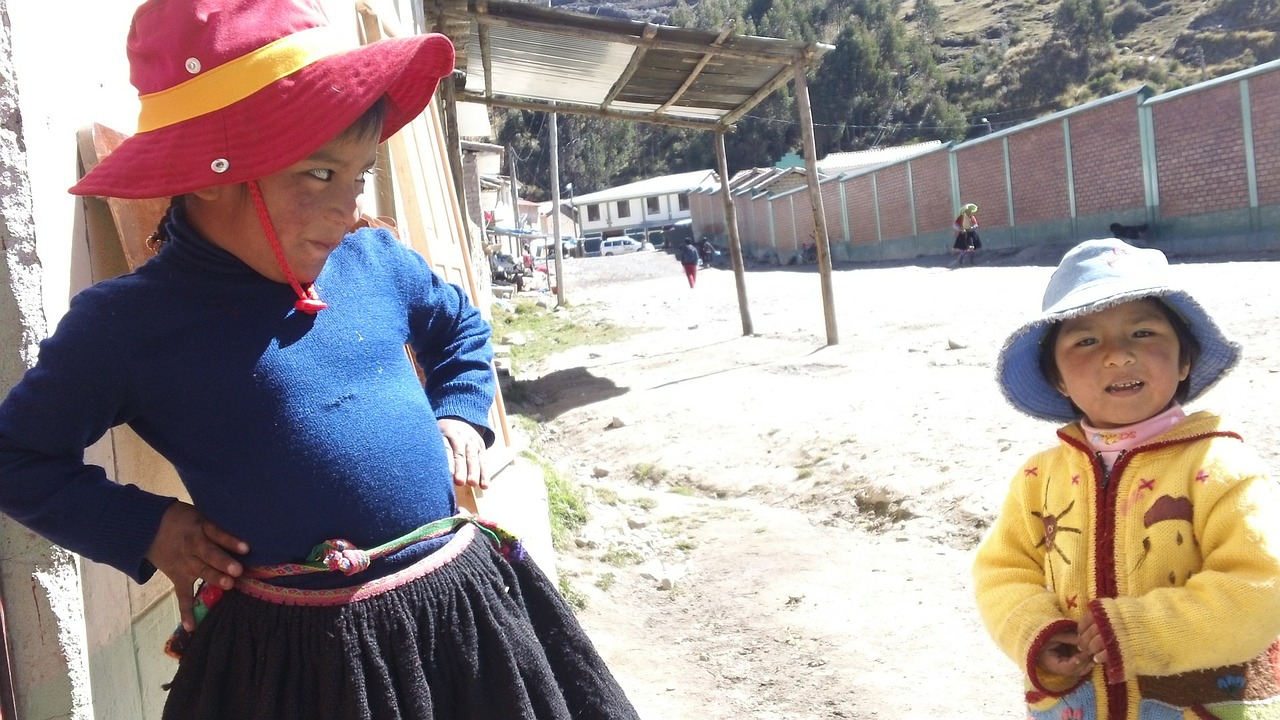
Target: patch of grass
column 682, row 490
column 572, row 595
column 804, row 473
column 606, row 581
column 527, row 425
column 606, row 496
column 621, row 556
column 648, row 473
column 547, row 332
column 644, row 503
column 568, row 508
column 686, row 545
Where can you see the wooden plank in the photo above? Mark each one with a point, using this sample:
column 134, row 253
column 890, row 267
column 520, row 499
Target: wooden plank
column 135, row 220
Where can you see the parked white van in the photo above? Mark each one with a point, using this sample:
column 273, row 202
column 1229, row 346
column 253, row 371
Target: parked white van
column 618, row 246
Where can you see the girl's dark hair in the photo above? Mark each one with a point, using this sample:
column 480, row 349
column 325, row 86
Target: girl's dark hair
column 158, row 237
column 368, row 125
column 1188, row 350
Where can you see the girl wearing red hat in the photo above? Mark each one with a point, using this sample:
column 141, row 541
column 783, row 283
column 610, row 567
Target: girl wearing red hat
column 262, row 353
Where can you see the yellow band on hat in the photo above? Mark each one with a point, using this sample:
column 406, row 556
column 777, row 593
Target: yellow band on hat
column 238, row 79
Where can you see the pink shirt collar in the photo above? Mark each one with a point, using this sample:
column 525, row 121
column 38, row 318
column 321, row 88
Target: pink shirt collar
column 1110, row 442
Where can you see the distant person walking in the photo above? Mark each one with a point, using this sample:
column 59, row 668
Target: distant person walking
column 689, row 259
column 967, row 242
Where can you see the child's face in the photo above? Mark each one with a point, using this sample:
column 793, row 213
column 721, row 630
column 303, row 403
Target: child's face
column 1120, row 365
column 312, row 206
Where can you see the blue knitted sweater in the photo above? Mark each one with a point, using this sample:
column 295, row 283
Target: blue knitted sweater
column 287, row 429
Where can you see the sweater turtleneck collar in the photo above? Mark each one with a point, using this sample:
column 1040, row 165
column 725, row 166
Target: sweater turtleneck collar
column 187, row 248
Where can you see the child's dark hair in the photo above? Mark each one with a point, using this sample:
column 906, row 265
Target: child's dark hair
column 368, row 125
column 1188, row 351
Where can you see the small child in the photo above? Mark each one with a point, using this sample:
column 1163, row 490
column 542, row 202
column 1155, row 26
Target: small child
column 1134, row 570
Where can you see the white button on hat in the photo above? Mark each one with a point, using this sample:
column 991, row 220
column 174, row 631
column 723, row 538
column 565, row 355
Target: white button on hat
column 193, row 66
column 220, row 165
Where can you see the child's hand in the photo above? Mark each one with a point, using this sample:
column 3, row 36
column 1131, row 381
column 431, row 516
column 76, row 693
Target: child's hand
column 1062, row 656
column 463, row 445
column 1091, row 641
column 187, row 548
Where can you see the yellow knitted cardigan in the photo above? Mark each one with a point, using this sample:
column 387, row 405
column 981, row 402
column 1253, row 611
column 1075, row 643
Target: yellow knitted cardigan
column 1177, row 553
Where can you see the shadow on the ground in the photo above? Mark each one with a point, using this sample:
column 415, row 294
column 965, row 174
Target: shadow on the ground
column 558, row 392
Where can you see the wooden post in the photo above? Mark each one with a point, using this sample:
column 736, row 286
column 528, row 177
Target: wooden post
column 554, row 132
column 731, row 227
column 815, row 200
column 453, row 141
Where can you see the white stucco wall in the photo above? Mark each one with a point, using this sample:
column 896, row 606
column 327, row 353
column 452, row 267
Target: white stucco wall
column 668, row 212
column 64, row 58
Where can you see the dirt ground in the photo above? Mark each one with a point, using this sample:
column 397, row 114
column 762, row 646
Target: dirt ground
column 783, row 528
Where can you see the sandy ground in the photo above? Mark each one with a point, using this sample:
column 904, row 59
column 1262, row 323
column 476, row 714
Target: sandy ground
column 783, row 528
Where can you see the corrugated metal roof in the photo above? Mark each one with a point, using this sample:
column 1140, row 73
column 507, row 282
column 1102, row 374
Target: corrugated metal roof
column 847, row 161
column 662, row 185
column 529, row 56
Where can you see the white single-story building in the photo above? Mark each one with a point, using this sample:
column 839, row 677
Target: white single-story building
column 640, row 209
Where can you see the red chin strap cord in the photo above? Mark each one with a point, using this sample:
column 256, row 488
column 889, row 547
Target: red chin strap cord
column 308, row 301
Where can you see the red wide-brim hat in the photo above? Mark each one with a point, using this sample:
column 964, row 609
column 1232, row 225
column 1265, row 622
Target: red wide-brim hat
column 234, row 90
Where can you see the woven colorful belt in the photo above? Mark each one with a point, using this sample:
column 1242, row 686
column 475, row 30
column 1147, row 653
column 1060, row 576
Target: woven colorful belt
column 344, row 557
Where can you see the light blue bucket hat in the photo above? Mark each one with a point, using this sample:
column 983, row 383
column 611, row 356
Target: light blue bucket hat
column 1093, row 276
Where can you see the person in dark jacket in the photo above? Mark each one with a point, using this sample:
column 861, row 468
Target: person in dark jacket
column 689, row 259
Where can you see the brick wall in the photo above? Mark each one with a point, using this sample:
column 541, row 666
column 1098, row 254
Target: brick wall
column 1198, row 136
column 931, row 177
column 862, row 211
column 804, row 222
column 752, row 224
column 895, row 201
column 784, row 231
column 714, row 223
column 831, row 210
column 1200, row 152
column 1264, row 97
column 1106, row 156
column 1038, row 167
column 981, row 169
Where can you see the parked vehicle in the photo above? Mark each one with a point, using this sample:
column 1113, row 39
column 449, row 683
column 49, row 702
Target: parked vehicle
column 618, row 246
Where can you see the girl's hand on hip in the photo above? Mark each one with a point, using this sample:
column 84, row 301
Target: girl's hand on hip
column 463, row 445
column 187, row 548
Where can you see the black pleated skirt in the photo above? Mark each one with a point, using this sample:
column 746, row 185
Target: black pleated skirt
column 475, row 637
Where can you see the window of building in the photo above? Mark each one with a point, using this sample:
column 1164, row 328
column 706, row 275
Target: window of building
column 652, row 206
column 624, row 208
column 684, row 201
column 593, row 213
